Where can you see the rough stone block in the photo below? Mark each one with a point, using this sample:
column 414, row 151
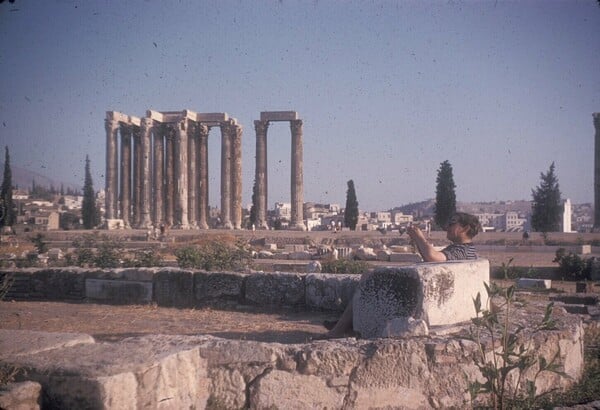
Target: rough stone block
column 118, row 291
column 275, row 289
column 15, row 343
column 159, row 372
column 527, row 283
column 438, row 293
column 330, row 291
column 174, row 288
column 218, row 285
column 58, row 284
column 21, row 396
column 132, row 274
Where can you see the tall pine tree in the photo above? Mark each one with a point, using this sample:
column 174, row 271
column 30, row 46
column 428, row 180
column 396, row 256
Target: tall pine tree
column 7, row 212
column 445, row 195
column 546, row 208
column 89, row 213
column 351, row 211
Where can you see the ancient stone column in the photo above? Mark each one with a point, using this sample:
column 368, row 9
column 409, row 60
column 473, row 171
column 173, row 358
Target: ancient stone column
column 236, row 177
column 192, row 177
column 181, row 175
column 597, row 172
column 125, row 194
column 297, row 177
column 169, row 191
column 145, row 173
column 202, row 176
column 136, row 199
column 226, row 175
column 261, row 173
column 158, row 180
column 111, row 185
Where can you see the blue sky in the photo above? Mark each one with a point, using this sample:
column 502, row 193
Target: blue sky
column 387, row 89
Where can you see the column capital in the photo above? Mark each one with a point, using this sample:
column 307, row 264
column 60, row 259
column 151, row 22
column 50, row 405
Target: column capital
column 202, row 130
column 296, row 125
column 111, row 125
column 261, row 127
column 596, row 116
column 147, row 122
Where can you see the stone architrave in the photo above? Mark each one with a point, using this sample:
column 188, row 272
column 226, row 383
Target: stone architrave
column 236, row 177
column 226, row 174
column 261, row 181
column 111, row 200
column 202, row 176
column 181, row 174
column 158, row 183
column 145, row 173
column 297, row 177
column 192, row 177
column 125, row 193
column 169, row 178
column 596, row 117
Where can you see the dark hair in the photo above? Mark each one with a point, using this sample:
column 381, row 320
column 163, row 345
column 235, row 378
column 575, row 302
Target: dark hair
column 471, row 221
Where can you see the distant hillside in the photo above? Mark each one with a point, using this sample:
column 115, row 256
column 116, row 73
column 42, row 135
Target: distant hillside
column 427, row 208
column 22, row 178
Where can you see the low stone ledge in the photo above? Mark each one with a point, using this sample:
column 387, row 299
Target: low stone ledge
column 218, row 285
column 174, row 288
column 330, row 291
column 28, row 342
column 131, row 274
column 275, row 289
column 118, row 291
column 21, row 396
column 437, row 293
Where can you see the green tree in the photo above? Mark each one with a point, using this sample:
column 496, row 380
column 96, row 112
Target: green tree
column 546, row 208
column 445, row 196
column 89, row 213
column 351, row 211
column 253, row 216
column 7, row 211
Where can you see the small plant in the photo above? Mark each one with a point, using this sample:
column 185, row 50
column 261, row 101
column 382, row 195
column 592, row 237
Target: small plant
column 509, row 271
column 504, row 367
column 345, row 266
column 143, row 258
column 573, row 266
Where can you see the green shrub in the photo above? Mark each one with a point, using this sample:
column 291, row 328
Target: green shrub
column 573, row 266
column 345, row 266
column 143, row 258
column 215, row 255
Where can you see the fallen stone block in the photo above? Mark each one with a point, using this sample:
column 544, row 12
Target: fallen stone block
column 14, row 343
column 330, row 291
column 437, row 293
column 21, row 396
column 118, row 291
column 275, row 289
column 157, row 372
column 527, row 283
column 208, row 285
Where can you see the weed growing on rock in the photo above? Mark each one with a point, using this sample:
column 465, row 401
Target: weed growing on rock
column 573, row 266
column 505, row 353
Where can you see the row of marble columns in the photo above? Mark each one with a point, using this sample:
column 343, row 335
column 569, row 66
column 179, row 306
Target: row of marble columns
column 162, row 175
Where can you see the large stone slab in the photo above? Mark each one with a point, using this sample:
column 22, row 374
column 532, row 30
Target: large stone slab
column 278, row 116
column 174, row 287
column 275, row 289
column 159, row 372
column 208, row 285
column 438, row 293
column 20, row 396
column 330, row 291
column 118, row 291
column 14, row 343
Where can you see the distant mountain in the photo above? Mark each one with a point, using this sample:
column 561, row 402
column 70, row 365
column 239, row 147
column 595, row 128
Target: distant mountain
column 23, row 178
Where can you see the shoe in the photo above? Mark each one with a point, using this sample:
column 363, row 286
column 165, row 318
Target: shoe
column 329, row 324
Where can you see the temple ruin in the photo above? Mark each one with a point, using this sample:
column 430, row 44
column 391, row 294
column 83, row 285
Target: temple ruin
column 157, row 169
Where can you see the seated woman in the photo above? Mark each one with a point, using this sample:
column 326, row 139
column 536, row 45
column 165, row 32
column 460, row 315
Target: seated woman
column 461, row 230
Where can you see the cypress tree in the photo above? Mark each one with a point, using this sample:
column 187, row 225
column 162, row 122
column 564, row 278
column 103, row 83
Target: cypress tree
column 88, row 205
column 253, row 217
column 351, row 211
column 546, row 208
column 445, row 195
column 7, row 212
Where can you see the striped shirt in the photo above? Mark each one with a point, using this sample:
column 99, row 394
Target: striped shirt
column 459, row 251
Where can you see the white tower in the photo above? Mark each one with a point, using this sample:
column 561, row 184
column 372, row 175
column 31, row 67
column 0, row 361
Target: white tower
column 566, row 224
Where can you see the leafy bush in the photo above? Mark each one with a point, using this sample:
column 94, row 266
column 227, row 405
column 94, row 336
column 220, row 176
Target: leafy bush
column 214, row 255
column 345, row 266
column 512, row 353
column 144, row 258
column 573, row 266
